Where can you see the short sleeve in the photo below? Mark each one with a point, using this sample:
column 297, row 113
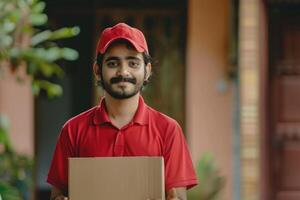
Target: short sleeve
column 179, row 169
column 58, row 173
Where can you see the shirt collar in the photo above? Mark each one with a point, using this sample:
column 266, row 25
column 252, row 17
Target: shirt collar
column 141, row 116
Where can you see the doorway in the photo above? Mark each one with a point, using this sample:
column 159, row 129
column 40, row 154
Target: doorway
column 284, row 102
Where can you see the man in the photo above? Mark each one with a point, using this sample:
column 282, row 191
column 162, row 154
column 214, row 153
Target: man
column 122, row 124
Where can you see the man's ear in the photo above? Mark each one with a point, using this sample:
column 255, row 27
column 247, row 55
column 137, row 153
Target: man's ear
column 97, row 72
column 148, row 71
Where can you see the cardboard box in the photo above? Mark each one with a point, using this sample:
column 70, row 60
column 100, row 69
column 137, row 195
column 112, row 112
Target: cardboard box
column 116, row 178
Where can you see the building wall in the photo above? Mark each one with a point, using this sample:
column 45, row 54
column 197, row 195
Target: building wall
column 209, row 95
column 16, row 103
column 253, row 89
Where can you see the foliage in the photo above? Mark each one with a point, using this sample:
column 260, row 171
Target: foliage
column 210, row 182
column 23, row 44
column 8, row 192
column 15, row 169
column 26, row 43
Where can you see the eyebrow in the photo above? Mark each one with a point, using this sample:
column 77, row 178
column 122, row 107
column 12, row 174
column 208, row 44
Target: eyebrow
column 111, row 58
column 118, row 58
column 132, row 58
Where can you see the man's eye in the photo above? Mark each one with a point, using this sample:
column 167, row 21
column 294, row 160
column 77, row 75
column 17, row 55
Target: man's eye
column 134, row 64
column 112, row 64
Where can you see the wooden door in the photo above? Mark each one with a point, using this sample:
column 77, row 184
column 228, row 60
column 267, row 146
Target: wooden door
column 285, row 108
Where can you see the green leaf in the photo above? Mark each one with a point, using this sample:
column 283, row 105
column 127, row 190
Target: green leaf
column 55, row 35
column 50, row 69
column 23, row 4
column 55, row 53
column 38, row 19
column 35, row 88
column 3, row 56
column 40, row 60
column 65, row 33
column 27, row 29
column 14, row 52
column 8, row 26
column 46, row 69
column 69, row 54
column 38, row 7
column 52, row 89
column 4, row 128
column 9, row 192
column 38, row 63
column 6, row 41
column 50, row 54
column 32, row 1
column 14, row 16
column 40, row 37
column 57, row 70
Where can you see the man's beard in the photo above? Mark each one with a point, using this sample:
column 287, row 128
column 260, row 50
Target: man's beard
column 121, row 94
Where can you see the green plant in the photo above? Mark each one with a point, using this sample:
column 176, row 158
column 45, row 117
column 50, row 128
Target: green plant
column 15, row 169
column 24, row 45
column 27, row 50
column 8, row 192
column 210, row 181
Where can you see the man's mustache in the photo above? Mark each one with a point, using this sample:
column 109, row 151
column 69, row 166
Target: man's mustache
column 122, row 79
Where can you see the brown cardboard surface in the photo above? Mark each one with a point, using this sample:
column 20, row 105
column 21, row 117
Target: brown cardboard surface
column 116, row 178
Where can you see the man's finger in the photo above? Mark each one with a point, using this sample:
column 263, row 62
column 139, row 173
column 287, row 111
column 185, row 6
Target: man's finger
column 153, row 199
column 61, row 197
column 172, row 194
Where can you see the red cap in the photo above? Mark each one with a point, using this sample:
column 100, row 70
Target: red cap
column 122, row 31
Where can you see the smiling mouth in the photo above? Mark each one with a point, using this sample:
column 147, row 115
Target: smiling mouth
column 122, row 82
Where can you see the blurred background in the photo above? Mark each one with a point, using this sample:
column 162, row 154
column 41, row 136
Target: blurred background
column 228, row 71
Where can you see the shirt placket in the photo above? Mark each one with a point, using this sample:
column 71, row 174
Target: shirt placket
column 119, row 144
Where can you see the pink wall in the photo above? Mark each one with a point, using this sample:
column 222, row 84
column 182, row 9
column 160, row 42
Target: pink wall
column 208, row 120
column 16, row 102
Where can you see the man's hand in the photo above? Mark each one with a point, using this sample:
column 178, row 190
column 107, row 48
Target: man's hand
column 172, row 194
column 61, row 197
column 177, row 194
column 57, row 194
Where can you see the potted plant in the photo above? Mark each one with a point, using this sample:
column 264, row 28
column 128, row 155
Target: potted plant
column 211, row 182
column 15, row 169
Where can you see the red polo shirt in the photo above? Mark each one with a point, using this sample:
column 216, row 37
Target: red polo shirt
column 151, row 133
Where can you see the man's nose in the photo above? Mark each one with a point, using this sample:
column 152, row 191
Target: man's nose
column 123, row 69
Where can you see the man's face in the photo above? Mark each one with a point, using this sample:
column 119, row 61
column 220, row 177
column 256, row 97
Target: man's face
column 123, row 71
